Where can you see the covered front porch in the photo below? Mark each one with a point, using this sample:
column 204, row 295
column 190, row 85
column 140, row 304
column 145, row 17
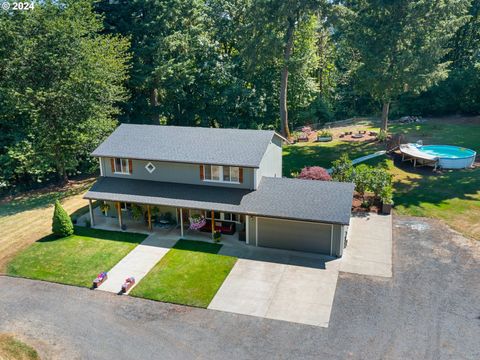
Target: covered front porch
column 164, row 220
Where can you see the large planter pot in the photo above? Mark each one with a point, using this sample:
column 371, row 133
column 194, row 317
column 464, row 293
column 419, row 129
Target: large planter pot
column 386, row 209
column 324, row 138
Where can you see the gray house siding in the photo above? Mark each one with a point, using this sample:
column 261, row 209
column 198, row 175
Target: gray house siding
column 271, row 164
column 175, row 172
column 295, row 235
column 251, row 230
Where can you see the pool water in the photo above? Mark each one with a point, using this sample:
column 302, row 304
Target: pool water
column 450, row 157
column 447, row 151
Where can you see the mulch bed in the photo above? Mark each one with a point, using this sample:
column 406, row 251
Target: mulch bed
column 358, row 200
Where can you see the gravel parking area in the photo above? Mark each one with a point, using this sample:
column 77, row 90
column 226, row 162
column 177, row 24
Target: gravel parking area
column 430, row 309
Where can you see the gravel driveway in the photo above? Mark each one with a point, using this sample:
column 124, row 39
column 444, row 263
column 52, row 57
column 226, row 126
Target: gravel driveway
column 430, row 309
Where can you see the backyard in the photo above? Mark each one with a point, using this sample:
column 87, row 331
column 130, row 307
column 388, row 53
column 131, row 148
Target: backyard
column 190, row 274
column 75, row 259
column 452, row 195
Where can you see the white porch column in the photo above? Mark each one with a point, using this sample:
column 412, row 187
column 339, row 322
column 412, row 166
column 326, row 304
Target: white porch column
column 256, row 230
column 247, row 228
column 90, row 208
column 181, row 222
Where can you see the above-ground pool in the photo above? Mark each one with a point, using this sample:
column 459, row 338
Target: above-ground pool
column 450, row 157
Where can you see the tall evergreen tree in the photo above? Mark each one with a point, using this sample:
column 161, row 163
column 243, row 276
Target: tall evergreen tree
column 401, row 44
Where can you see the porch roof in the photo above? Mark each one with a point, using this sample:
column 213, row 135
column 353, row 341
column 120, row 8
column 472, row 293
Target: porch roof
column 294, row 199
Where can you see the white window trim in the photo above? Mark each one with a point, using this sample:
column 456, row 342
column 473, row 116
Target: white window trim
column 208, row 216
column 221, row 174
column 122, row 171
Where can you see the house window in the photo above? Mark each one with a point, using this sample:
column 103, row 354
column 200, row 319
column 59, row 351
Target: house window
column 223, row 216
column 230, row 217
column 229, row 174
column 121, row 166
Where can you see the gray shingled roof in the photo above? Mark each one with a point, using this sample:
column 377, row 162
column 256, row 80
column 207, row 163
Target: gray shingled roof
column 195, row 145
column 309, row 200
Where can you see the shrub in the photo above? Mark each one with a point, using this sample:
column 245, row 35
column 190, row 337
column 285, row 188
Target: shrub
column 88, row 223
column 315, row 173
column 382, row 136
column 324, row 133
column 387, row 195
column 61, row 223
column 363, row 179
column 380, row 178
column 342, row 169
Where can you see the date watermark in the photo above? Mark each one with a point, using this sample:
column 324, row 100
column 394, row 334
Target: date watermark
column 17, row 6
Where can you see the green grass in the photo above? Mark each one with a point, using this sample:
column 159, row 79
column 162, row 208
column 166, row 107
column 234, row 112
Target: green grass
column 11, row 348
column 453, row 196
column 76, row 259
column 41, row 198
column 296, row 157
column 190, row 274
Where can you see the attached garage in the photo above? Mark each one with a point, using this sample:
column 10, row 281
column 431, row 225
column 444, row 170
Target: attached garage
column 295, row 235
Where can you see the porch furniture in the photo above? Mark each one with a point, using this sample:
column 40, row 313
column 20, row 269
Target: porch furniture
column 224, row 227
column 99, row 279
column 127, row 285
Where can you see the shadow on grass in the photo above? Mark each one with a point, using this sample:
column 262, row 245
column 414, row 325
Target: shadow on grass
column 127, row 237
column 40, row 199
column 198, row 246
column 435, row 188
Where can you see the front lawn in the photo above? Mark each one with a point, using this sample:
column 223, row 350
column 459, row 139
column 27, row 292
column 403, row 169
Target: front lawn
column 75, row 259
column 190, row 274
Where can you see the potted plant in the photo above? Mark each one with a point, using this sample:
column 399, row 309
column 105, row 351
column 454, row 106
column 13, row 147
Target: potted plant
column 104, row 208
column 387, row 200
column 217, row 236
column 324, row 136
column 137, row 212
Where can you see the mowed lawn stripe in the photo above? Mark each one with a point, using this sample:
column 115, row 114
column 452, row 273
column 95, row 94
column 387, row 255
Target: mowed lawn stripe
column 75, row 259
column 190, row 274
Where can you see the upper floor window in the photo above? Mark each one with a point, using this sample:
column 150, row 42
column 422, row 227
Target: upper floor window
column 121, row 166
column 229, row 174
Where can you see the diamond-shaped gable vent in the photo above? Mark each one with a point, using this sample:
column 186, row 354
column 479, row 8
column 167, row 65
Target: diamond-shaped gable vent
column 150, row 167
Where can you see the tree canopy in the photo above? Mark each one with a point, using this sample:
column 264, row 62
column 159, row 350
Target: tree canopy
column 72, row 69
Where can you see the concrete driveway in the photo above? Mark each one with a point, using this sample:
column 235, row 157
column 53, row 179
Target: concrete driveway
column 428, row 310
column 279, row 291
column 369, row 246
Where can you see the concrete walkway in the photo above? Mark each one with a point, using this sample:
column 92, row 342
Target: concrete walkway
column 138, row 262
column 369, row 247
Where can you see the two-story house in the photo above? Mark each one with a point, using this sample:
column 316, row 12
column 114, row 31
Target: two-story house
column 233, row 176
